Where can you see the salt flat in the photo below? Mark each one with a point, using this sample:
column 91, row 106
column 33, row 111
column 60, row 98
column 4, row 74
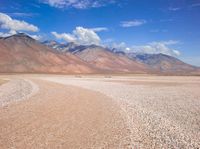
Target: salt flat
column 104, row 112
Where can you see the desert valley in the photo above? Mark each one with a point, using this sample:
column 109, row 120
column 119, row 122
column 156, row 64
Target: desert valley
column 98, row 74
column 101, row 99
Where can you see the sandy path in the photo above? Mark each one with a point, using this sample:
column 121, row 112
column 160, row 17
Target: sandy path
column 163, row 113
column 2, row 81
column 61, row 116
column 16, row 90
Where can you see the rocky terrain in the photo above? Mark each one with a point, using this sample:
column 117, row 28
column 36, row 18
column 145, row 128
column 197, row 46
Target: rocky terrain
column 117, row 112
column 160, row 112
column 16, row 90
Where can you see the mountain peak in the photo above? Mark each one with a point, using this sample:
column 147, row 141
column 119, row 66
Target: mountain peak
column 20, row 36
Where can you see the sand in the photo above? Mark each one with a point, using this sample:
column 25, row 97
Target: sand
column 98, row 112
column 61, row 116
column 2, row 81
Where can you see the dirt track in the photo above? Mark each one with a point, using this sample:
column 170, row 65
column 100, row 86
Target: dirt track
column 120, row 112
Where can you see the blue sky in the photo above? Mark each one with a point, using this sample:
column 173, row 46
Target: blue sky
column 153, row 26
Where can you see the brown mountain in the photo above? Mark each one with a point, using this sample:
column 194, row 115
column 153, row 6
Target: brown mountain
column 165, row 64
column 20, row 53
column 109, row 62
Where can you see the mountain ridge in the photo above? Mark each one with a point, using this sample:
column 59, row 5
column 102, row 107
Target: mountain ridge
column 158, row 63
column 21, row 53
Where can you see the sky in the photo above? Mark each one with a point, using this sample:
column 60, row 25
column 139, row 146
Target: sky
column 149, row 26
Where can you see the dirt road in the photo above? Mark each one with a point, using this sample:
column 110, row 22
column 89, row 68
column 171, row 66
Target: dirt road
column 98, row 112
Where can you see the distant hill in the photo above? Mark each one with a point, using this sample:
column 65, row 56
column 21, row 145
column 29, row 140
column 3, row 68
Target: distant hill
column 164, row 63
column 150, row 63
column 21, row 53
column 104, row 59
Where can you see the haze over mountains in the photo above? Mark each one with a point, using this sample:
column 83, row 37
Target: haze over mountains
column 22, row 54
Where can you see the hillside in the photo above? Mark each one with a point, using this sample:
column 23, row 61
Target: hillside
column 20, row 53
column 101, row 58
column 165, row 64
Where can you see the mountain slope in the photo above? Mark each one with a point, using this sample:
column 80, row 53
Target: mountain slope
column 101, row 58
column 104, row 59
column 165, row 64
column 116, row 60
column 21, row 53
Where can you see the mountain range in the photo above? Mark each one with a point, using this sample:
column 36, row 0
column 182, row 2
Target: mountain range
column 20, row 53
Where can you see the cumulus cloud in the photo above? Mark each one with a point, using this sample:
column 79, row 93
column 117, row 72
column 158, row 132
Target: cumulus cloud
column 132, row 23
column 6, row 22
column 157, row 47
column 150, row 48
column 80, row 35
column 65, row 36
column 120, row 46
column 13, row 26
column 79, row 4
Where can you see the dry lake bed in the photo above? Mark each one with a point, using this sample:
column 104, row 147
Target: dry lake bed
column 57, row 111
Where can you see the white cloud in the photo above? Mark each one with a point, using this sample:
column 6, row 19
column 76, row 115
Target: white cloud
column 99, row 29
column 36, row 37
column 120, row 46
column 169, row 42
column 2, row 34
column 157, row 47
column 6, row 22
column 65, row 36
column 86, row 36
column 79, row 4
column 150, row 48
column 132, row 23
column 21, row 14
column 80, row 35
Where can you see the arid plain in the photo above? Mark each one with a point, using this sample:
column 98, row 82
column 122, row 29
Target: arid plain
column 58, row 111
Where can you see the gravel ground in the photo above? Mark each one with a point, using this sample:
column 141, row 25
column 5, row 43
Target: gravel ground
column 57, row 117
column 97, row 112
column 163, row 113
column 16, row 90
